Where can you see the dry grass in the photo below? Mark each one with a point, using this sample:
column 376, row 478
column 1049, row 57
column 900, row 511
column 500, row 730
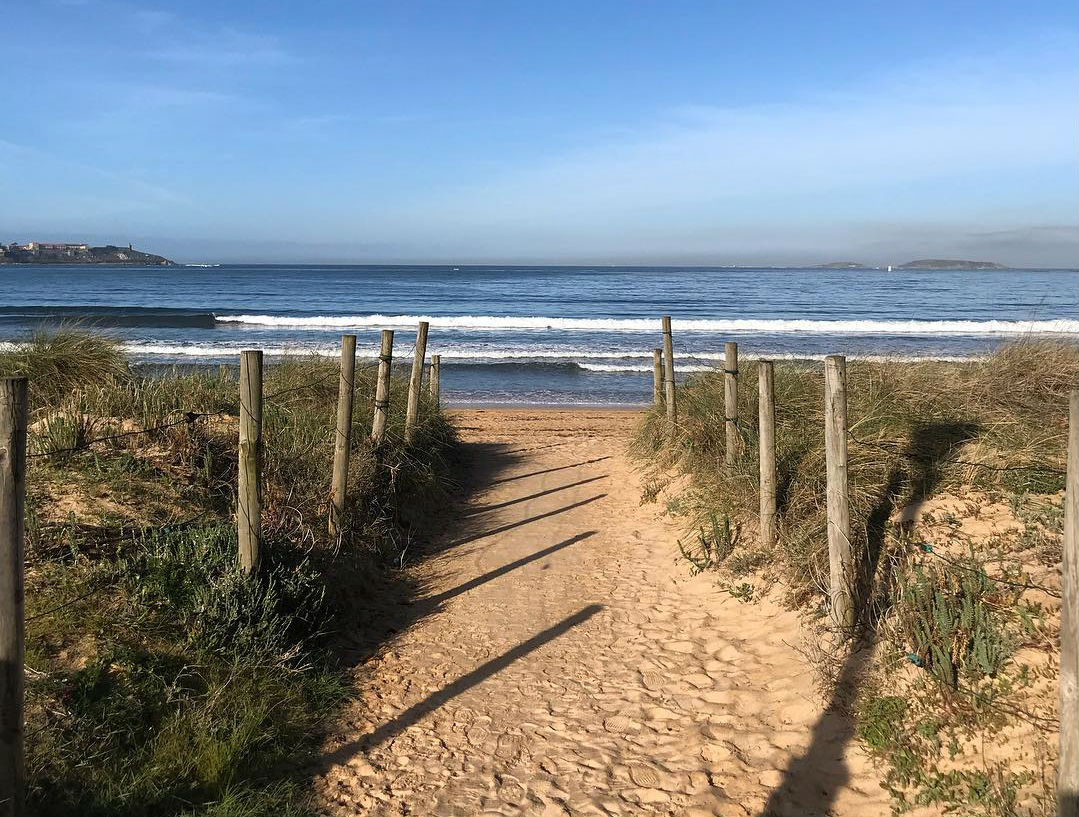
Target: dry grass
column 161, row 680
column 915, row 429
column 965, row 650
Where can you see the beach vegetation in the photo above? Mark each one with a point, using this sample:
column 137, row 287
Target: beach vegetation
column 160, row 679
column 956, row 471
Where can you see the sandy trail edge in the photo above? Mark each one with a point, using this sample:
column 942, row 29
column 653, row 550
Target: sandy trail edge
column 571, row 666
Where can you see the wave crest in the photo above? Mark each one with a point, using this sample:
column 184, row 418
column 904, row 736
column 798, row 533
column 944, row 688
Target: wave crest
column 1059, row 326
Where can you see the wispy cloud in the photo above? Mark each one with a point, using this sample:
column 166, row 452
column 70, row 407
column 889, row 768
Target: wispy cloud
column 732, row 152
column 16, row 158
column 695, row 172
column 226, row 48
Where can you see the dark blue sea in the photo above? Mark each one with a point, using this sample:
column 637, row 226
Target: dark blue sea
column 544, row 335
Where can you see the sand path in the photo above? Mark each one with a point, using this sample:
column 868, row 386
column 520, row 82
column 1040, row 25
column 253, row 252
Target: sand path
column 566, row 664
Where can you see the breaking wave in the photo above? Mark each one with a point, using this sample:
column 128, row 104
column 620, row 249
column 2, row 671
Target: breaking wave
column 739, row 325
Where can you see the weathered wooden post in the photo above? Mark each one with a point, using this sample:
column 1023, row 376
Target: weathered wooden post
column 668, row 374
column 249, row 488
column 766, row 409
column 657, row 377
column 14, row 411
column 840, row 557
column 434, row 384
column 342, row 446
column 1068, row 756
column 733, row 450
column 382, row 387
column 415, row 383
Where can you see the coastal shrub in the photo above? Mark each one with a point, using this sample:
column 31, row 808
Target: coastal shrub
column 950, row 618
column 161, row 679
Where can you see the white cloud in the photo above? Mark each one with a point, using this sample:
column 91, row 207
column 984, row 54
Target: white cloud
column 714, row 176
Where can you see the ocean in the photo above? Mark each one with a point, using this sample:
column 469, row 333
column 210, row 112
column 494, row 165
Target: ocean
column 543, row 335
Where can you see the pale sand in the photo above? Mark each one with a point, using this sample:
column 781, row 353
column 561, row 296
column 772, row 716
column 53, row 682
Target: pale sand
column 571, row 666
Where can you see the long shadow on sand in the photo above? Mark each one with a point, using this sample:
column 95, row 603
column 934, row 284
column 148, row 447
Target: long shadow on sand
column 384, row 605
column 440, row 697
column 813, row 780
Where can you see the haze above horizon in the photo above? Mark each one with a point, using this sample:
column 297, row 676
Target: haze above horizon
column 626, row 133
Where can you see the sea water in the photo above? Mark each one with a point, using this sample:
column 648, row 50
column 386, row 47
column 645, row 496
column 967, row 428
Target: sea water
column 544, row 335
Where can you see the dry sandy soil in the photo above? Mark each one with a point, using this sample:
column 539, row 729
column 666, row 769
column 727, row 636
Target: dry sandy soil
column 565, row 663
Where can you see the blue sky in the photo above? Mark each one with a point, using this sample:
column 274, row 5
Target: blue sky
column 561, row 132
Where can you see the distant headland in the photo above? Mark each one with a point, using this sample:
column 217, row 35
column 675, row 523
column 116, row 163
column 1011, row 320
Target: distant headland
column 39, row 252
column 921, row 264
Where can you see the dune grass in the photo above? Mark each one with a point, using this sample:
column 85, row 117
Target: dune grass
column 992, row 430
column 160, row 680
column 916, row 429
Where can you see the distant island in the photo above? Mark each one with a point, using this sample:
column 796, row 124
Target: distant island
column 950, row 264
column 39, row 252
column 920, row 264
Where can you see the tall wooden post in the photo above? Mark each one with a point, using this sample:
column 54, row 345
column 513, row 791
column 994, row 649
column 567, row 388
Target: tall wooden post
column 733, row 450
column 249, row 493
column 766, row 408
column 14, row 411
column 668, row 374
column 415, row 383
column 382, row 387
column 1068, row 756
column 435, row 384
column 342, row 446
column 840, row 556
column 657, row 377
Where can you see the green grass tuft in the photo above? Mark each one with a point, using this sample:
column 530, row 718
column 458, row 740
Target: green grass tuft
column 161, row 679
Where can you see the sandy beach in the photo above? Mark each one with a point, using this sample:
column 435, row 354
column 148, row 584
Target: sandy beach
column 571, row 665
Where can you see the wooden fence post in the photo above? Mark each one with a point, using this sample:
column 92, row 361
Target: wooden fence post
column 415, row 383
column 668, row 374
column 382, row 387
column 840, row 556
column 766, row 407
column 657, row 377
column 14, row 411
column 249, row 493
column 1068, row 756
column 342, row 446
column 733, row 450
column 435, row 384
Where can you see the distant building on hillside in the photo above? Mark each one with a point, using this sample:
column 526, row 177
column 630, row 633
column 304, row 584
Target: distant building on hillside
column 50, row 248
column 44, row 246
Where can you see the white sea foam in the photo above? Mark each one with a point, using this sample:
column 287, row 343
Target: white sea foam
column 617, row 368
column 741, row 325
column 687, row 362
column 698, row 367
column 487, row 354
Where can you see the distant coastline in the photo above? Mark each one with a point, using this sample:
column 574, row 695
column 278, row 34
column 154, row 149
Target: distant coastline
column 38, row 252
column 941, row 264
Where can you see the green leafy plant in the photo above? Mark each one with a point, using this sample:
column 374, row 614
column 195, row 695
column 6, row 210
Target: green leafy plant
column 950, row 617
column 714, row 544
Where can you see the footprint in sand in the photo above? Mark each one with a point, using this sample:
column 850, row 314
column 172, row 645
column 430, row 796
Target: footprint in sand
column 620, row 724
column 644, row 776
column 653, row 681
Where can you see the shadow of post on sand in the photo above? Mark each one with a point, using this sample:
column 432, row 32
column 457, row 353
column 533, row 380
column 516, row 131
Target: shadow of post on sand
column 414, row 713
column 813, row 780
